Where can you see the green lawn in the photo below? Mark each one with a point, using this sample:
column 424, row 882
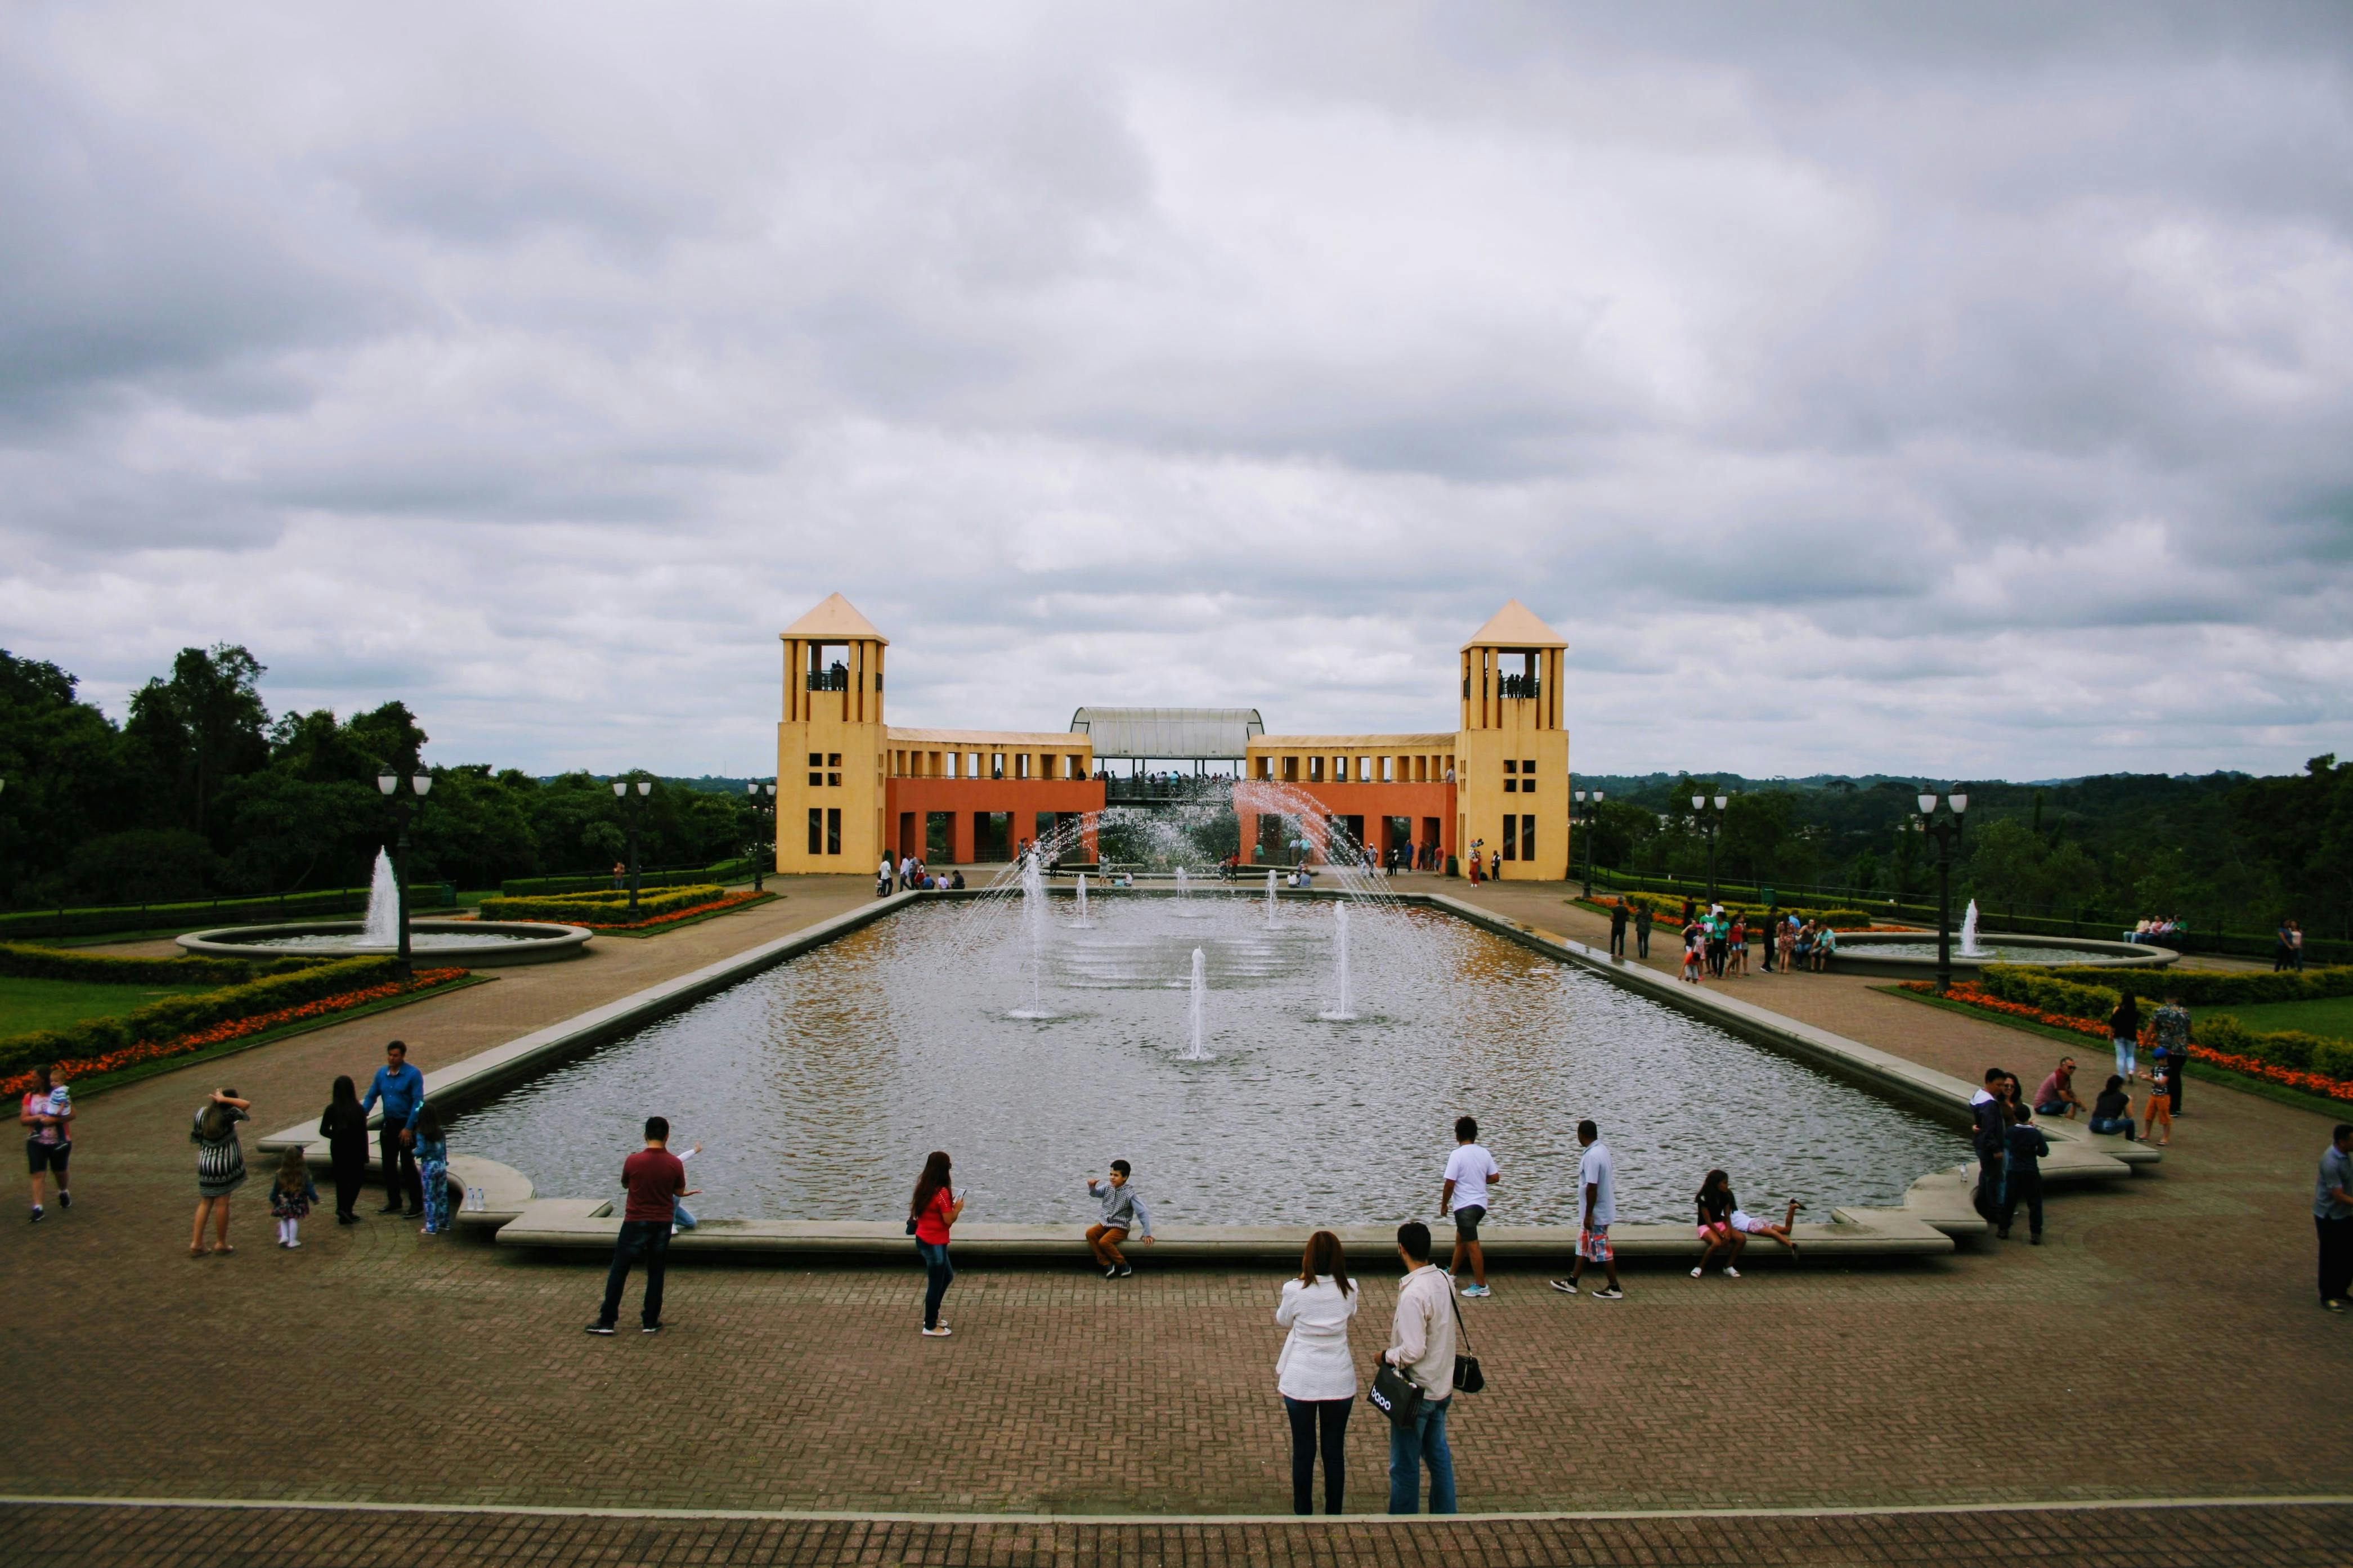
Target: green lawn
column 2330, row 1015
column 28, row 1005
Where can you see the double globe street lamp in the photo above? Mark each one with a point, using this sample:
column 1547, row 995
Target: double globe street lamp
column 1945, row 827
column 402, row 807
column 764, row 813
column 621, row 792
column 1710, row 820
column 1588, row 818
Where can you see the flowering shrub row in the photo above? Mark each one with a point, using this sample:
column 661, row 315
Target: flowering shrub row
column 725, row 901
column 604, row 910
column 2213, row 987
column 2313, row 1063
column 171, row 1017
column 227, row 1029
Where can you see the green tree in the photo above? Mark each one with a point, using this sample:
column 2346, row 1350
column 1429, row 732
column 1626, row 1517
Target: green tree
column 204, row 726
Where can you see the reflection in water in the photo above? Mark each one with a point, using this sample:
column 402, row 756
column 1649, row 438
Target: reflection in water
column 817, row 1087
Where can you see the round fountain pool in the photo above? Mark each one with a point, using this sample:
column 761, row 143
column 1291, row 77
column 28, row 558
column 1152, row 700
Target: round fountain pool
column 475, row 945
column 1914, row 956
column 816, row 1088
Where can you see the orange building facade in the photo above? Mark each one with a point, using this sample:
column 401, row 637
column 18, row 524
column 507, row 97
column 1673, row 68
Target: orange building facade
column 852, row 790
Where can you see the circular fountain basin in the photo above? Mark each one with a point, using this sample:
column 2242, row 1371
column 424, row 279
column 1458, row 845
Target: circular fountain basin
column 474, row 944
column 1913, row 956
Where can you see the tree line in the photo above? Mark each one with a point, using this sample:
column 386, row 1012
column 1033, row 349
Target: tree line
column 201, row 791
column 2222, row 850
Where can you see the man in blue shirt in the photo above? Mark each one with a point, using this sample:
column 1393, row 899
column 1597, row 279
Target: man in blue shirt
column 402, row 1089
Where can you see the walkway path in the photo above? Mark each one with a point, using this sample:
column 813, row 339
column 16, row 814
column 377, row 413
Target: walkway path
column 2164, row 1340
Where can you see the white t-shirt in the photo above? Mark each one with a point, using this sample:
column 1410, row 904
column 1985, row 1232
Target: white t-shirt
column 1470, row 1168
column 1597, row 1171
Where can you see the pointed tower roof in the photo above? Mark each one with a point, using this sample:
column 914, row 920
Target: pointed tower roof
column 1515, row 626
column 834, row 620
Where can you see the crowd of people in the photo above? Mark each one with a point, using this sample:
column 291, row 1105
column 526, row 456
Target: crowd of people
column 909, row 874
column 1719, row 943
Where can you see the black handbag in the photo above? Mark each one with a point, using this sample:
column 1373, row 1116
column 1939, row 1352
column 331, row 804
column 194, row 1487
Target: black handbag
column 1395, row 1395
column 1468, row 1378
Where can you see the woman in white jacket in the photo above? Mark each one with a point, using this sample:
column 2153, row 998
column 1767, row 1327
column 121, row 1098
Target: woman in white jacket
column 1316, row 1374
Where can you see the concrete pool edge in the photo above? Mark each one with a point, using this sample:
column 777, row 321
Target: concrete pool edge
column 1935, row 1209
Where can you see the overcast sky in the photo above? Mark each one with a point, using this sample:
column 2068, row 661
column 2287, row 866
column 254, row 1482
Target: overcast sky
column 1957, row 394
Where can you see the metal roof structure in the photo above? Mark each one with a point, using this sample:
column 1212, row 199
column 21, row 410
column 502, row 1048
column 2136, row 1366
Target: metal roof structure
column 1169, row 734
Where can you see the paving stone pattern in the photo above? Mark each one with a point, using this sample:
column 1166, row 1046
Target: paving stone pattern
column 2164, row 1342
column 2286, row 1536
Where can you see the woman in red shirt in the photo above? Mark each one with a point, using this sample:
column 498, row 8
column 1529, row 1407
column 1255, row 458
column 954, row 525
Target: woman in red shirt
column 934, row 1210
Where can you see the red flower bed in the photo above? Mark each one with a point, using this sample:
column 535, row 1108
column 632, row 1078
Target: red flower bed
column 2270, row 1072
column 236, row 1028
column 729, row 902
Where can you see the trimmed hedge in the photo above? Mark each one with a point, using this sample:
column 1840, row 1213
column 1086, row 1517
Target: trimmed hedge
column 1670, row 907
column 170, row 1018
column 95, row 969
column 2290, row 1048
column 195, row 914
column 604, row 908
column 2215, row 988
column 602, row 882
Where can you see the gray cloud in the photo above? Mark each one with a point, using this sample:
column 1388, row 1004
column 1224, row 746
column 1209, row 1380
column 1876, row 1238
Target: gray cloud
column 1957, row 390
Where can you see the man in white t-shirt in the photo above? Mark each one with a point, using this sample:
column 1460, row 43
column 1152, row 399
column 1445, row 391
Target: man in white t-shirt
column 1597, row 1179
column 1469, row 1172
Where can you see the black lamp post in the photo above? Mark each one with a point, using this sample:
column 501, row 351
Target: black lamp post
column 1710, row 820
column 621, row 791
column 1588, row 818
column 1945, row 827
column 402, row 807
column 764, row 813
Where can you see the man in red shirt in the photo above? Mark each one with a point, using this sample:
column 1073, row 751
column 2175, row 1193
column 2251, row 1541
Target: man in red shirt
column 656, row 1179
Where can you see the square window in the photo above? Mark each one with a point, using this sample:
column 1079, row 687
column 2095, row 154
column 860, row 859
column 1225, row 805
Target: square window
column 1511, row 786
column 816, row 779
column 1510, row 766
column 816, row 761
column 1529, row 766
column 833, row 759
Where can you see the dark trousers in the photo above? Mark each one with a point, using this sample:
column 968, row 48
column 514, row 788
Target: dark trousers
column 1308, row 1417
column 1617, row 942
column 645, row 1238
column 399, row 1168
column 938, row 1275
column 1987, row 1198
column 1641, row 941
column 1715, row 958
column 350, row 1162
column 2022, row 1186
column 2336, row 1257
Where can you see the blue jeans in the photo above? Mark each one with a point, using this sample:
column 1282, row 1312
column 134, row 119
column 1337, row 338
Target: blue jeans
column 2127, row 1058
column 645, row 1238
column 2055, row 1108
column 2105, row 1124
column 1422, row 1442
column 938, row 1272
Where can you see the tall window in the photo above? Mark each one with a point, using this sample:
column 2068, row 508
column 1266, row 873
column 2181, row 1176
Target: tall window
column 1527, row 838
column 833, row 830
column 817, row 828
column 1510, row 838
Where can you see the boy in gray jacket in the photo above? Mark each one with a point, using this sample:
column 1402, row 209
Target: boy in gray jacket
column 1123, row 1211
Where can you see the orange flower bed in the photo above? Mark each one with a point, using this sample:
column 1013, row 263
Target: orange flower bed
column 2270, row 1072
column 236, row 1028
column 729, row 902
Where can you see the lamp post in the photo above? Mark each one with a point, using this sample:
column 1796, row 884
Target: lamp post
column 1946, row 829
column 1588, row 818
column 764, row 812
column 621, row 792
column 421, row 786
column 1710, row 820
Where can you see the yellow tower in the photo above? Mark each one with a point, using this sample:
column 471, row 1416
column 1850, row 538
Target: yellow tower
column 1512, row 756
column 829, row 745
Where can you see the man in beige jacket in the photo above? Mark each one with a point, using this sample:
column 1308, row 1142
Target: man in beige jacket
column 1421, row 1346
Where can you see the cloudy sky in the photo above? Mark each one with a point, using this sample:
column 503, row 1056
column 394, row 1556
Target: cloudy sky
column 1965, row 392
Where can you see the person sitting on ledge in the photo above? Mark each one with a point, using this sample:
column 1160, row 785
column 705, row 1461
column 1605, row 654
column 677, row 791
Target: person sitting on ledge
column 2112, row 1111
column 2057, row 1095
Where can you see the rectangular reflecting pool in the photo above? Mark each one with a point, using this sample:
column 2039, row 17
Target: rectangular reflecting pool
column 817, row 1087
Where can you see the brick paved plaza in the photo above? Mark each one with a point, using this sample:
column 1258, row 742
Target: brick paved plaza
column 2164, row 1344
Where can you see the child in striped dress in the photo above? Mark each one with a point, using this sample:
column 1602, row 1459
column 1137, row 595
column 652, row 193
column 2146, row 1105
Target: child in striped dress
column 433, row 1170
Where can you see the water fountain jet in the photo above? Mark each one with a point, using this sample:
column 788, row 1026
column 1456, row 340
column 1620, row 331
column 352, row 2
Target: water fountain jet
column 1194, row 1009
column 1343, row 1008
